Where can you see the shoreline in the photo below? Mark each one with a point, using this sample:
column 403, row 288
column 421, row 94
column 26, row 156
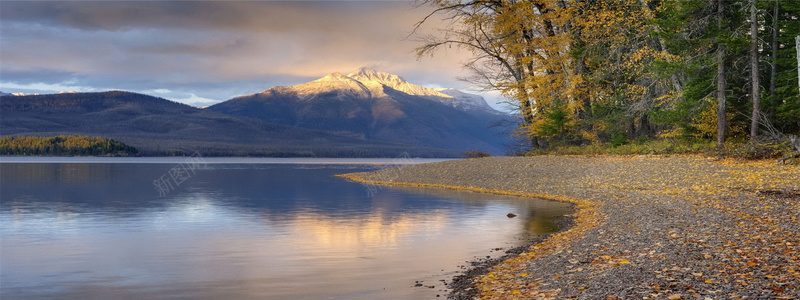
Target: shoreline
column 645, row 227
column 465, row 286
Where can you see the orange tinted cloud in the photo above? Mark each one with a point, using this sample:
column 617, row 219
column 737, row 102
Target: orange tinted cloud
column 213, row 49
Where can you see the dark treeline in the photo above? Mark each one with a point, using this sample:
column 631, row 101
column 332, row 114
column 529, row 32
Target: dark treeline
column 64, row 145
column 187, row 148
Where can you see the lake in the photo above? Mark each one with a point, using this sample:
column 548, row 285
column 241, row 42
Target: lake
column 241, row 228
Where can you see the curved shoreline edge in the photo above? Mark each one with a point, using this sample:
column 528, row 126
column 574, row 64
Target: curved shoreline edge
column 645, row 227
column 585, row 217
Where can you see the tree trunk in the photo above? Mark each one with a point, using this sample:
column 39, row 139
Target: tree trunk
column 755, row 90
column 721, row 83
column 797, row 46
column 527, row 114
column 773, row 74
column 645, row 126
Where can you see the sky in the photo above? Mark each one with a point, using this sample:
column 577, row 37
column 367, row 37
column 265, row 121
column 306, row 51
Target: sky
column 204, row 52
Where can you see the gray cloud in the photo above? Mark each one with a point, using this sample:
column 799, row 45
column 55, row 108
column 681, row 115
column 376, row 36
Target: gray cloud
column 211, row 49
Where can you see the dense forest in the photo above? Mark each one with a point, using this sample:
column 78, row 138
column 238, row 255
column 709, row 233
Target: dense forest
column 64, row 145
column 613, row 72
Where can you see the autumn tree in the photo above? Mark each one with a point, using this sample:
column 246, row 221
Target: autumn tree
column 616, row 43
column 520, row 48
column 586, row 71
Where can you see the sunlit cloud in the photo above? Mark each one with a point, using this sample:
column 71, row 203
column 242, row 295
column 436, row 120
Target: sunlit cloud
column 45, row 87
column 195, row 100
column 160, row 91
column 214, row 50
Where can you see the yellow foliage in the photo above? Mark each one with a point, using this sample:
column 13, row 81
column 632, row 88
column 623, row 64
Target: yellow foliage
column 537, row 45
column 590, row 136
column 670, row 133
column 706, row 122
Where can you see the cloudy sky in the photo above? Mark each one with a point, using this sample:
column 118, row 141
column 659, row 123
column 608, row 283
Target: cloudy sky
column 202, row 52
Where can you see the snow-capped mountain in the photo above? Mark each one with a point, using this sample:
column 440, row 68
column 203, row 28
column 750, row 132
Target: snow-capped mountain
column 367, row 83
column 448, row 96
column 5, row 94
column 375, row 79
column 342, row 85
column 375, row 105
column 459, row 99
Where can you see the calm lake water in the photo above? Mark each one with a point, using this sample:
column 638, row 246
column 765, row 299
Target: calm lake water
column 240, row 229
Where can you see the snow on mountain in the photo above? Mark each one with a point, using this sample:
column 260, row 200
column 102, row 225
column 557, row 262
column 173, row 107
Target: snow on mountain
column 461, row 99
column 372, row 78
column 5, row 94
column 367, row 83
column 332, row 83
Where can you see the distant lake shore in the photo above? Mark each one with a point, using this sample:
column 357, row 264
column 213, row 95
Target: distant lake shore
column 219, row 160
column 646, row 226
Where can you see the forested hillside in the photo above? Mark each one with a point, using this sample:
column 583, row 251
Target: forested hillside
column 616, row 71
column 158, row 127
column 64, row 145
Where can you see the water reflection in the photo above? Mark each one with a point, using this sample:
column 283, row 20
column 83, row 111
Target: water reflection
column 99, row 231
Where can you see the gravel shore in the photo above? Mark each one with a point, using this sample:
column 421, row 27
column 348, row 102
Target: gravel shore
column 646, row 227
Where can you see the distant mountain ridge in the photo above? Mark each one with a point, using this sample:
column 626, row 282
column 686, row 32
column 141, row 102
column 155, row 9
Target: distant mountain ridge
column 363, row 114
column 157, row 126
column 376, row 105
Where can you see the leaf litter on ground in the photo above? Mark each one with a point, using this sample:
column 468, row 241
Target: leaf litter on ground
column 645, row 227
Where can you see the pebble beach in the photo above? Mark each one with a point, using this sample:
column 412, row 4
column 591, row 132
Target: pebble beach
column 645, row 227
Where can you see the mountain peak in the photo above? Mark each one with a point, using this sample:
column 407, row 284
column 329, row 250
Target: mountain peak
column 367, row 74
column 334, row 76
column 371, row 77
column 367, row 83
column 334, row 82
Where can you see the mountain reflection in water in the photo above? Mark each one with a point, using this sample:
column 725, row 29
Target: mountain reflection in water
column 245, row 231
